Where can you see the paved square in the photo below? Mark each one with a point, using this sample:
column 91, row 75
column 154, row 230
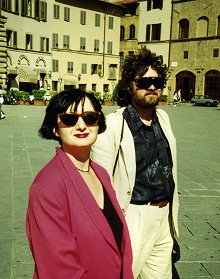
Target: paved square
column 197, row 129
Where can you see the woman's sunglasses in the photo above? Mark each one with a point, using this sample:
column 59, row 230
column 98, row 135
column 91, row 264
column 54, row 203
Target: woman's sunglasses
column 70, row 119
column 146, row 82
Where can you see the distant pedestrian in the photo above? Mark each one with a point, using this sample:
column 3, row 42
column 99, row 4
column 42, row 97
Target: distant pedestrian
column 2, row 114
column 175, row 98
column 179, row 97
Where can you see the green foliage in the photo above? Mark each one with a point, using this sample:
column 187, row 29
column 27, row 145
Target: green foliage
column 115, row 94
column 164, row 98
column 22, row 95
column 98, row 95
column 38, row 94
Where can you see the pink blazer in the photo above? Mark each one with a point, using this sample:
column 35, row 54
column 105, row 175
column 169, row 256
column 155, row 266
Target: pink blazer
column 68, row 233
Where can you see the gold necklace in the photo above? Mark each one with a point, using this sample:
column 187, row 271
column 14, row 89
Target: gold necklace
column 83, row 170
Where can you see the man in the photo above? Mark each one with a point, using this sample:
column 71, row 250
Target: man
column 138, row 150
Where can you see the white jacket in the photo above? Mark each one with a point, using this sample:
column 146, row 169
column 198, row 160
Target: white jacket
column 105, row 149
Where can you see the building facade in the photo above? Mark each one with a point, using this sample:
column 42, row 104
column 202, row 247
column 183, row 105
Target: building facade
column 186, row 33
column 195, row 43
column 61, row 44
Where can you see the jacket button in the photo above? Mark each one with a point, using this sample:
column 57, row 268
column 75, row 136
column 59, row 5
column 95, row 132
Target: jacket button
column 129, row 192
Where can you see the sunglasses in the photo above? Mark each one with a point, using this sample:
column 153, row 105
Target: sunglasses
column 146, row 82
column 70, row 119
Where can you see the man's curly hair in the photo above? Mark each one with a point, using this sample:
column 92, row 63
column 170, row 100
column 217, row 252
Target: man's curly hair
column 134, row 66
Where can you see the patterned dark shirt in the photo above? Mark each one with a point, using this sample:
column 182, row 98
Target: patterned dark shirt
column 150, row 184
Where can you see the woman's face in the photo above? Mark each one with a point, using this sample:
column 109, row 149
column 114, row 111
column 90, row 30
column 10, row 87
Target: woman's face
column 79, row 134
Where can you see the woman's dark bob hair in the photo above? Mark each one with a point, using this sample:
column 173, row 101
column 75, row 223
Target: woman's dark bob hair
column 60, row 103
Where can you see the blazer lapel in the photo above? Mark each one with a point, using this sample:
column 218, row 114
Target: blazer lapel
column 86, row 197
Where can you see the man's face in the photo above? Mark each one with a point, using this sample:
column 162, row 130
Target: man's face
column 147, row 90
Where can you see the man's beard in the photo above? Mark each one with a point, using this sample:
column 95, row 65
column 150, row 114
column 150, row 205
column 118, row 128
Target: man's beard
column 147, row 101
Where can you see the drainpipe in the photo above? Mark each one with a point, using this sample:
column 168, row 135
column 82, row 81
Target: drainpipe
column 169, row 50
column 103, row 54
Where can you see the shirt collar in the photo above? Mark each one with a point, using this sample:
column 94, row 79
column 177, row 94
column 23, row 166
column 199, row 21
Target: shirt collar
column 135, row 118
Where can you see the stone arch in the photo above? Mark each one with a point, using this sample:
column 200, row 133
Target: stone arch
column 23, row 58
column 41, row 62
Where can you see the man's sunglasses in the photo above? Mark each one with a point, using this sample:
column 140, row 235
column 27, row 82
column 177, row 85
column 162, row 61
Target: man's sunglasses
column 70, row 119
column 146, row 82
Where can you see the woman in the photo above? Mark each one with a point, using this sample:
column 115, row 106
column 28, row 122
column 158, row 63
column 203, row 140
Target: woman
column 74, row 224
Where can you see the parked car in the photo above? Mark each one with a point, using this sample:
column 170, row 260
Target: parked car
column 204, row 100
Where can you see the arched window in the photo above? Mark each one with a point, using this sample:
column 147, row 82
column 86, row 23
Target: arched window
column 132, row 32
column 202, row 27
column 218, row 26
column 122, row 32
column 183, row 28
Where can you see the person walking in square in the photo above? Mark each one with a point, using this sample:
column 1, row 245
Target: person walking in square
column 74, row 223
column 138, row 149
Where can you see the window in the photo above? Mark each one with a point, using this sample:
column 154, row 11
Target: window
column 121, row 55
column 153, row 32
column 6, row 5
column 70, row 67
column 82, row 17
column 131, row 53
column 215, row 52
column 106, row 87
column 183, row 29
column 29, row 40
column 15, row 39
column 66, row 41
column 66, row 14
column 37, row 9
column 96, row 45
column 55, row 40
column 84, row 68
column 110, row 22
column 97, row 20
column 44, row 44
column 109, row 48
column 96, row 69
column 82, row 43
column 16, row 7
column 185, row 54
column 26, row 8
column 56, row 11
column 94, row 87
column 156, row 30
column 112, row 71
column 11, row 37
column 122, row 32
column 132, row 32
column 43, row 11
column 218, row 26
column 154, row 4
column 55, row 65
column 202, row 27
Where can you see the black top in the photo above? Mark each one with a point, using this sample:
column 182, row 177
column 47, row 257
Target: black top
column 113, row 220
column 149, row 182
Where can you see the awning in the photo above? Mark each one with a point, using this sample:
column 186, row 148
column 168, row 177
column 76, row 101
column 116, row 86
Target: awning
column 27, row 75
column 70, row 80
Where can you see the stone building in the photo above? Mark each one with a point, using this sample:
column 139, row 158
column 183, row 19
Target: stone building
column 57, row 44
column 186, row 33
column 194, row 48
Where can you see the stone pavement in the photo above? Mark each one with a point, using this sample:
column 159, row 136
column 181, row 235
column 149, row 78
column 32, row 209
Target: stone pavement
column 197, row 129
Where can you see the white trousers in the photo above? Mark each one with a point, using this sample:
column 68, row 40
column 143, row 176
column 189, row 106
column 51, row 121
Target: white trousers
column 151, row 241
